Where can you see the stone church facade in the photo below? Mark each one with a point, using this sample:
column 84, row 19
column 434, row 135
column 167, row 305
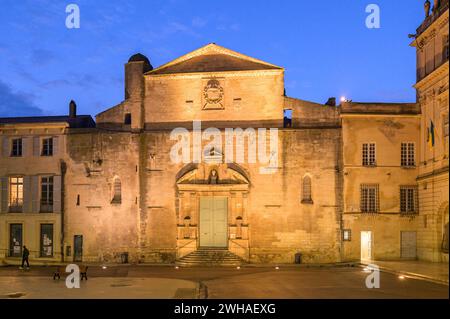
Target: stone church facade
column 340, row 182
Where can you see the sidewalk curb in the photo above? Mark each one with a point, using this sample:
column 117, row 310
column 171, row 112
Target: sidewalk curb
column 410, row 275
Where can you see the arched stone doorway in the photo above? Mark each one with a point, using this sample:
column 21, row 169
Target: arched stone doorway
column 211, row 208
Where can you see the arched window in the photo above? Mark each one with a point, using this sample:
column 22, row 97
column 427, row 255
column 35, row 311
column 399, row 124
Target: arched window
column 117, row 191
column 306, row 190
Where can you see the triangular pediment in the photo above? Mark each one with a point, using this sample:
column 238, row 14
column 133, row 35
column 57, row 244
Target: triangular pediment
column 213, row 58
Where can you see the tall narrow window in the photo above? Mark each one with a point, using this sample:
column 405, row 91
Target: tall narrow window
column 287, row 118
column 16, row 147
column 46, row 240
column 369, row 154
column 47, row 147
column 369, row 198
column 117, row 196
column 47, row 194
column 306, row 190
column 408, row 200
column 408, row 155
column 127, row 119
column 15, row 194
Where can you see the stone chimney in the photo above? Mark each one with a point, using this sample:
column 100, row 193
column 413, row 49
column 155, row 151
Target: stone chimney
column 72, row 109
column 137, row 65
column 331, row 101
column 135, row 69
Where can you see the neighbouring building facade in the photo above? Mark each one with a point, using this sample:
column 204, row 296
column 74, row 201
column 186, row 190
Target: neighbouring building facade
column 431, row 43
column 207, row 157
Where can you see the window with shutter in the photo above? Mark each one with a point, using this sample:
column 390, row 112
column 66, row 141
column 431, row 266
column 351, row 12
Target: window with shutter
column 16, row 147
column 47, row 147
column 46, row 194
column 15, row 194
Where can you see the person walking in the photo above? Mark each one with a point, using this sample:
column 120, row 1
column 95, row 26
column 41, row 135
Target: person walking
column 25, row 255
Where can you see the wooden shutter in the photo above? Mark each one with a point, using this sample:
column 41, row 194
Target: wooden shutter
column 27, row 146
column 35, row 205
column 4, row 194
column 5, row 149
column 27, row 194
column 56, row 194
column 36, row 146
column 55, row 145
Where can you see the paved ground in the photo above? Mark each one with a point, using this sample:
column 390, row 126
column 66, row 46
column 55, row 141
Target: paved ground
column 247, row 282
column 433, row 271
column 99, row 287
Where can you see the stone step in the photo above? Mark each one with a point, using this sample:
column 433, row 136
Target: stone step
column 210, row 257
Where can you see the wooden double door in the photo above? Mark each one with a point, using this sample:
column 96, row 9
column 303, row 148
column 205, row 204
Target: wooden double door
column 213, row 221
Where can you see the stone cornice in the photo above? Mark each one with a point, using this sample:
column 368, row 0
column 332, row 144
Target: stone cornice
column 430, row 31
column 365, row 115
column 223, row 74
column 434, row 76
column 21, row 126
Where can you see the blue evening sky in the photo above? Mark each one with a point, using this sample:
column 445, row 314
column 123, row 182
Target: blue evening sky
column 324, row 46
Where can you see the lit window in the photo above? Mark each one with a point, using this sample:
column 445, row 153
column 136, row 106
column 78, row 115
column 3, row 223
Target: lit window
column 16, row 194
column 347, row 235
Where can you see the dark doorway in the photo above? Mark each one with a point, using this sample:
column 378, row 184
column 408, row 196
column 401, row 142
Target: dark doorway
column 15, row 240
column 78, row 248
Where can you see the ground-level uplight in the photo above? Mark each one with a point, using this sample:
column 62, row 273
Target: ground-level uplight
column 277, row 268
column 401, row 277
column 176, row 267
column 238, row 267
column 104, row 267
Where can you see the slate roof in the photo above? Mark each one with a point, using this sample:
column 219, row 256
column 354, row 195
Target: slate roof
column 80, row 121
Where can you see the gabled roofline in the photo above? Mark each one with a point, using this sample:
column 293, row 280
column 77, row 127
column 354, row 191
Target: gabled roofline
column 207, row 48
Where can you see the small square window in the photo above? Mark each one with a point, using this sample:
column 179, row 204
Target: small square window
column 347, row 235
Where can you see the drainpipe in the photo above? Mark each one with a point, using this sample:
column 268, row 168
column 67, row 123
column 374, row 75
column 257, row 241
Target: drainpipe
column 63, row 173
